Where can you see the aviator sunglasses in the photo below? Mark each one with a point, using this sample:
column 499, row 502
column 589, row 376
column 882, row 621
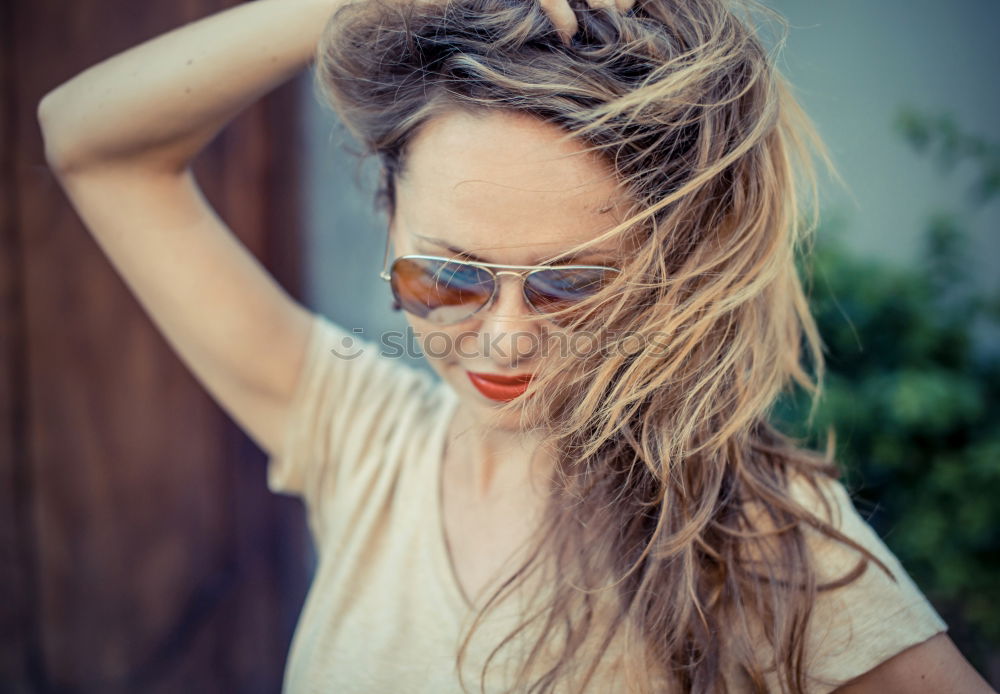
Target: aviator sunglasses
column 445, row 291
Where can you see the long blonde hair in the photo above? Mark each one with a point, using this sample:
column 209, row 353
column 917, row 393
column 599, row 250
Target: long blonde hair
column 672, row 488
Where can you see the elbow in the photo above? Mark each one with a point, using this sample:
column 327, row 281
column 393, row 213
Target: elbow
column 45, row 110
column 46, row 115
column 55, row 134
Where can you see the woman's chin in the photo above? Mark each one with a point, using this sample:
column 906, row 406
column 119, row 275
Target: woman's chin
column 490, row 412
column 487, row 411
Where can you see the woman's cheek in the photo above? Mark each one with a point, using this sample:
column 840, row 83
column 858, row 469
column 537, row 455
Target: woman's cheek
column 467, row 346
column 446, row 345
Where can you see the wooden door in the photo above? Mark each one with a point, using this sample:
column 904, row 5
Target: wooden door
column 141, row 549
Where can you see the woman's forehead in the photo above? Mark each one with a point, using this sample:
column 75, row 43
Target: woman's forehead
column 531, row 253
column 514, row 239
column 503, row 181
column 516, row 151
column 514, row 236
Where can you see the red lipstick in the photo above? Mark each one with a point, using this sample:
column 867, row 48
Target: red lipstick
column 500, row 388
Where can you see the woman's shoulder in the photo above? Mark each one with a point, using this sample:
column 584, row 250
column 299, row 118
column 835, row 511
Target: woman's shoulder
column 830, row 503
column 355, row 372
column 865, row 611
column 353, row 411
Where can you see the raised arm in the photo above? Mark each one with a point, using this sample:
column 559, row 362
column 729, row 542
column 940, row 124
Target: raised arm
column 121, row 137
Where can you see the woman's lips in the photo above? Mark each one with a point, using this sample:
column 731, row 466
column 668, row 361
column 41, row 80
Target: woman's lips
column 500, row 388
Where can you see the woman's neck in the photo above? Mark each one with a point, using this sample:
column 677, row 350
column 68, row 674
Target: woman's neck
column 493, row 463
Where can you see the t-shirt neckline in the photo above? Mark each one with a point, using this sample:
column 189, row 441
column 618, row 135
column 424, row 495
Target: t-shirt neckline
column 458, row 600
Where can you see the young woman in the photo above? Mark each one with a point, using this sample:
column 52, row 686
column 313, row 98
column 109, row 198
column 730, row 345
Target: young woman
column 593, row 215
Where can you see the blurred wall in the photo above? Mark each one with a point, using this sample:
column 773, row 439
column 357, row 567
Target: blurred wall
column 854, row 64
column 140, row 549
column 344, row 238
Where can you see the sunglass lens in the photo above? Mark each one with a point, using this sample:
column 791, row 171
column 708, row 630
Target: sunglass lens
column 439, row 291
column 559, row 288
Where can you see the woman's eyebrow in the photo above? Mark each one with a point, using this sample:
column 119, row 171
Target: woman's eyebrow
column 473, row 257
column 451, row 248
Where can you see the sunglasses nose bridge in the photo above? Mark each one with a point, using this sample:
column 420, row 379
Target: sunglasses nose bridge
column 496, row 282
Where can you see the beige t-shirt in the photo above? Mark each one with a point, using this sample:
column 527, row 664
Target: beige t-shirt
column 384, row 613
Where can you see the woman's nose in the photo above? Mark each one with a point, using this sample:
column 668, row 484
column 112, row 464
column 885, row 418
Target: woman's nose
column 510, row 329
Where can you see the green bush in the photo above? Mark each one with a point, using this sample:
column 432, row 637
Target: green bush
column 913, row 395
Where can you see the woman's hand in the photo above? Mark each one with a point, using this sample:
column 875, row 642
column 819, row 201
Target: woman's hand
column 563, row 17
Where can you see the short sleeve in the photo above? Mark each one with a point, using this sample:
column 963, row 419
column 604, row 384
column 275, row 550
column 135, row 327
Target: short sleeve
column 348, row 400
column 857, row 626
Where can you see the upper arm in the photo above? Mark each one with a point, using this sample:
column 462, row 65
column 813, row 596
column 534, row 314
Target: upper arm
column 877, row 632
column 934, row 665
column 227, row 319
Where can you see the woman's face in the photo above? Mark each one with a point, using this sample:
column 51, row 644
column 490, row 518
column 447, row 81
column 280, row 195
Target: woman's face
column 498, row 189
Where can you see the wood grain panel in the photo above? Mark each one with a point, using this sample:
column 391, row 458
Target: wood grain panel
column 141, row 549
